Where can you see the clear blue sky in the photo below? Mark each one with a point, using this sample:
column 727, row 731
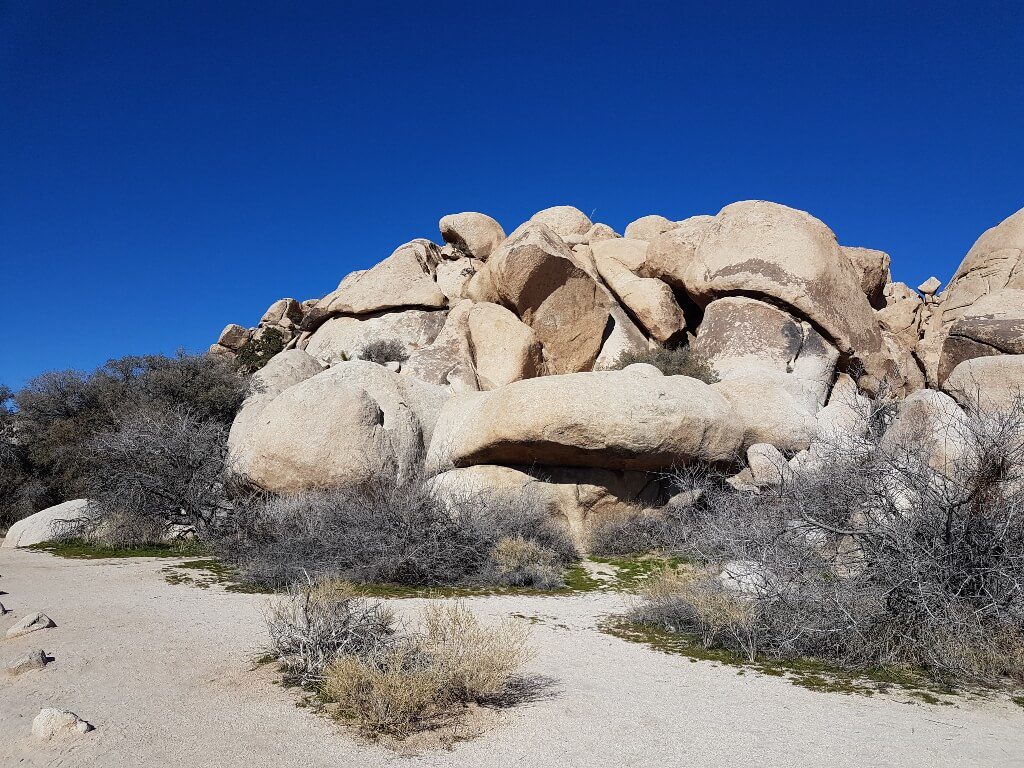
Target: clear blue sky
column 169, row 167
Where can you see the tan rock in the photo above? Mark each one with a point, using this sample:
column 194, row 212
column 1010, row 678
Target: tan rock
column 672, row 253
column 648, row 227
column 448, row 361
column 992, row 266
column 930, row 286
column 930, row 422
column 650, row 300
column 219, row 351
column 285, row 312
column 344, row 427
column 600, row 232
column 56, row 723
column 344, row 337
column 621, row 335
column 453, row 277
column 233, row 337
column 607, row 419
column 481, row 288
column 740, row 337
column 47, row 524
column 503, row 348
column 767, row 465
column 774, row 408
column 476, row 234
column 403, row 279
column 988, row 384
column 536, row 276
column 901, row 315
column 757, row 247
column 873, row 268
column 563, row 220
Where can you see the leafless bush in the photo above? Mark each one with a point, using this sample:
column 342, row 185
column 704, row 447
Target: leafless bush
column 319, row 620
column 672, row 361
column 390, row 532
column 909, row 552
column 383, row 351
column 426, row 678
column 155, row 471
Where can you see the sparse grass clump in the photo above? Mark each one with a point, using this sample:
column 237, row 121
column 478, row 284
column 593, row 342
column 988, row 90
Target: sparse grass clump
column 349, row 651
column 672, row 361
column 427, row 678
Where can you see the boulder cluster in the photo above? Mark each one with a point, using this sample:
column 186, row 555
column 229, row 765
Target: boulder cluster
column 507, row 347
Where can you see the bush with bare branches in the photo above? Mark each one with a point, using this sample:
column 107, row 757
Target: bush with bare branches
column 898, row 546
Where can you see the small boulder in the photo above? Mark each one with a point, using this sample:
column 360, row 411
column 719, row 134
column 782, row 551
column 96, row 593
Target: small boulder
column 930, row 286
column 403, row 279
column 453, row 277
column 767, row 465
column 873, row 268
column 50, row 723
column 233, row 337
column 648, row 227
column 771, row 407
column 283, row 312
column 33, row 622
column 476, row 234
column 34, row 659
column 600, row 232
column 563, row 220
column 993, row 385
column 448, row 361
column 504, row 348
column 46, row 525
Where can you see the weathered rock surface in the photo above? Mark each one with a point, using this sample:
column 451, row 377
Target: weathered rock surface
column 503, row 348
column 650, row 300
column 448, row 361
column 341, row 428
column 33, row 622
column 775, row 408
column 767, row 465
column 283, row 312
column 563, row 220
column 648, row 227
column 620, row 335
column 766, row 249
column 233, row 337
column 535, row 275
column 873, row 269
column 47, row 524
column 929, row 424
column 453, row 277
column 477, row 234
column 991, row 384
column 344, row 337
column 740, row 336
column 606, row 419
column 600, row 232
column 56, row 723
column 993, row 325
column 403, row 279
column 33, row 659
column 991, row 266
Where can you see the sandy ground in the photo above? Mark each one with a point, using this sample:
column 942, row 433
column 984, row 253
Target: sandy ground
column 165, row 674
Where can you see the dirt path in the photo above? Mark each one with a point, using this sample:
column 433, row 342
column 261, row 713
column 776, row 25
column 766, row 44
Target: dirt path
column 164, row 672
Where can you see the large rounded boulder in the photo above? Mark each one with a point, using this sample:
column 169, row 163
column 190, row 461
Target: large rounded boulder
column 606, row 419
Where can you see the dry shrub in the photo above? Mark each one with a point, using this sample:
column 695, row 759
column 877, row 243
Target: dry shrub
column 672, row 361
column 519, row 561
column 384, row 351
column 388, row 532
column 879, row 551
column 427, row 678
column 317, row 621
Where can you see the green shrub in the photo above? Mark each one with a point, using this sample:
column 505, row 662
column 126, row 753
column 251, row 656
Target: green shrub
column 677, row 361
column 258, row 350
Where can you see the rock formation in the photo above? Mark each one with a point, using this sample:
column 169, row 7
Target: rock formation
column 507, row 345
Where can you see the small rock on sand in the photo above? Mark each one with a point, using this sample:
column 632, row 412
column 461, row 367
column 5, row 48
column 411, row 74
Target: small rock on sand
column 31, row 623
column 58, row 722
column 34, row 659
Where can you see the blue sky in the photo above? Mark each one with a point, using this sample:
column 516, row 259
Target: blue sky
column 169, row 167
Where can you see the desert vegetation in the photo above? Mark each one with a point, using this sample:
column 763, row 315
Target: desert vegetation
column 880, row 552
column 681, row 360
column 389, row 680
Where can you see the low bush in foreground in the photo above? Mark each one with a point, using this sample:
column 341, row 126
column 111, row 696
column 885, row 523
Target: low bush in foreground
column 672, row 361
column 386, row 682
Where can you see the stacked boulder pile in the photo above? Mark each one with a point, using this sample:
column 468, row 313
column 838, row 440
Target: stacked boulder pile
column 507, row 345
